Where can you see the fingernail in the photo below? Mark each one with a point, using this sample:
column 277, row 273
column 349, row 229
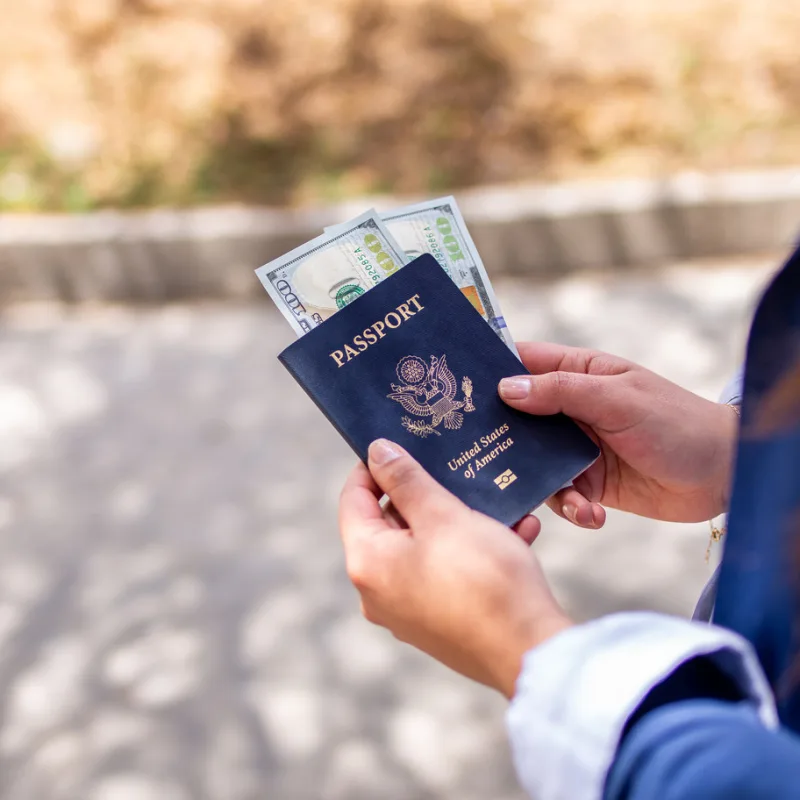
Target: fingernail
column 382, row 451
column 570, row 512
column 515, row 388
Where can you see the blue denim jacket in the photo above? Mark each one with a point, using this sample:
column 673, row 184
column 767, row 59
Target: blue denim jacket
column 641, row 706
column 692, row 738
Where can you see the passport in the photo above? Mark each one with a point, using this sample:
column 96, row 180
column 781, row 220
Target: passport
column 413, row 361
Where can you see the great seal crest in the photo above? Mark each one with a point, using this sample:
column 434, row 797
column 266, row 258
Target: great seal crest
column 429, row 392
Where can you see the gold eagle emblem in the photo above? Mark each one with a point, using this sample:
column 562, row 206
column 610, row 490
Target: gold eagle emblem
column 428, row 391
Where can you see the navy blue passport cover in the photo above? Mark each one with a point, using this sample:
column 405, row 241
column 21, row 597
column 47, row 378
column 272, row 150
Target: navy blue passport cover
column 411, row 360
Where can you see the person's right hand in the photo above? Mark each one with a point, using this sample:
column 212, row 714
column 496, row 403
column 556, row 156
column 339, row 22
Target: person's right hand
column 666, row 453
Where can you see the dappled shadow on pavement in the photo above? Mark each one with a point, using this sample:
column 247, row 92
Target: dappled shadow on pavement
column 175, row 620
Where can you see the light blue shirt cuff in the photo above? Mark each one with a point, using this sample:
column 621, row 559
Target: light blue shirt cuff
column 577, row 690
column 734, row 389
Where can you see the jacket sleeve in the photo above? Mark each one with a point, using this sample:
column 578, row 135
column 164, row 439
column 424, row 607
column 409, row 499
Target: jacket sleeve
column 705, row 750
column 582, row 691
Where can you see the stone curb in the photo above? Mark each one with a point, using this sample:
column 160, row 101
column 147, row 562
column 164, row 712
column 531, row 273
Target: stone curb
column 542, row 231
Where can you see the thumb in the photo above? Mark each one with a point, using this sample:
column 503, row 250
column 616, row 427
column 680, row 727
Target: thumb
column 414, row 493
column 572, row 393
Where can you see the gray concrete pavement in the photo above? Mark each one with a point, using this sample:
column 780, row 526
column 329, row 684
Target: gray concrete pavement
column 175, row 621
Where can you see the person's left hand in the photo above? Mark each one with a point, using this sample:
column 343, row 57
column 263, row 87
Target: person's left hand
column 448, row 580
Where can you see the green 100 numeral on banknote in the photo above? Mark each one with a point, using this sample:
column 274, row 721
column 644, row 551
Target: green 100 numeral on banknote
column 315, row 280
column 437, row 227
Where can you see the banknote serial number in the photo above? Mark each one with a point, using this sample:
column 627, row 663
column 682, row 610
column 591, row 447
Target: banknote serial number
column 383, row 259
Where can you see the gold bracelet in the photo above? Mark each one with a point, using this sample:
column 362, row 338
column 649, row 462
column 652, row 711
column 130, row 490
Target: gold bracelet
column 716, row 536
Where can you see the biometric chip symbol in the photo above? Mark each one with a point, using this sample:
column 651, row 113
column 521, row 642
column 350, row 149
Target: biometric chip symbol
column 505, row 479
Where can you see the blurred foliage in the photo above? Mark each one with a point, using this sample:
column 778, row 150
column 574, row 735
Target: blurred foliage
column 145, row 102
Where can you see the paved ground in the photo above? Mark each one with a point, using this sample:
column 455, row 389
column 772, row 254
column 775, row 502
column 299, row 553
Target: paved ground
column 175, row 621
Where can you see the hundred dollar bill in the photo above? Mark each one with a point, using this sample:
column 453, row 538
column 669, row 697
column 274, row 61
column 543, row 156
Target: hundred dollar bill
column 312, row 282
column 437, row 227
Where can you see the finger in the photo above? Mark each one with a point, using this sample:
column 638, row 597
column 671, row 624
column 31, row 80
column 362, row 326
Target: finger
column 371, row 559
column 570, row 504
column 359, row 505
column 393, row 517
column 528, row 528
column 415, row 494
column 542, row 357
column 591, row 483
column 574, row 394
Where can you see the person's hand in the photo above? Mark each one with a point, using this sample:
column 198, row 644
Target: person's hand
column 448, row 580
column 666, row 453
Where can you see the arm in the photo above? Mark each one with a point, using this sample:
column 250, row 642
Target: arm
column 455, row 584
column 577, row 692
column 705, row 750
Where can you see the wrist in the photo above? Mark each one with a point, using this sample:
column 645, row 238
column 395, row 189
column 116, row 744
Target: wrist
column 729, row 433
column 536, row 634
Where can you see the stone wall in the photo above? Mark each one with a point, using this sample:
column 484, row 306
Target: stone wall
column 536, row 231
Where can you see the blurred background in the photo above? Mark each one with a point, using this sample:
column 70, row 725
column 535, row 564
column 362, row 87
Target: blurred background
column 135, row 102
column 175, row 620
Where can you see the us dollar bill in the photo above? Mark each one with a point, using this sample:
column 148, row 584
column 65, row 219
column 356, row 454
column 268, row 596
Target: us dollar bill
column 312, row 282
column 437, row 227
